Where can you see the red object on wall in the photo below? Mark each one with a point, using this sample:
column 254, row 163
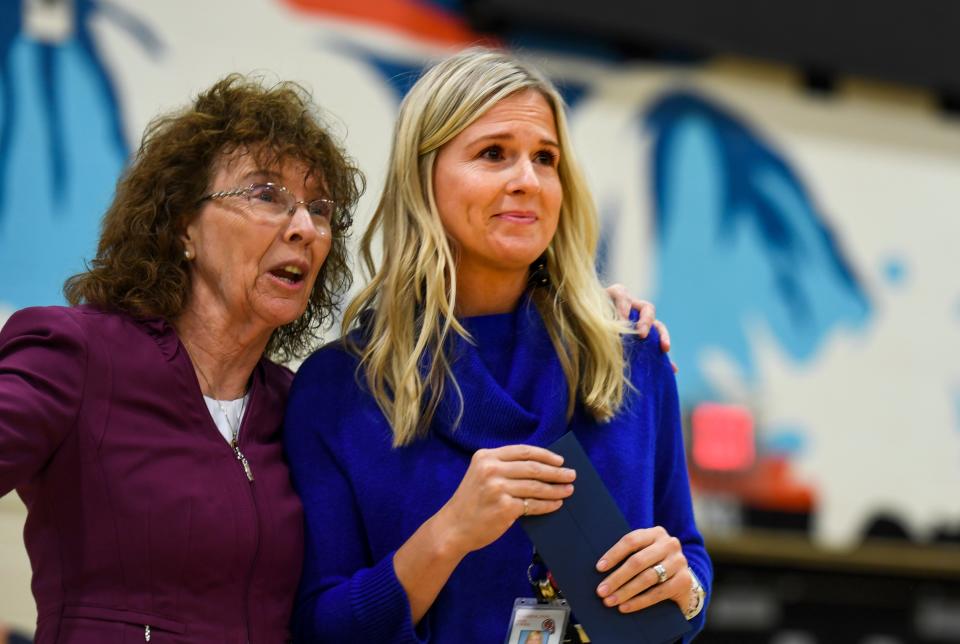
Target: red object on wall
column 723, row 438
column 724, row 460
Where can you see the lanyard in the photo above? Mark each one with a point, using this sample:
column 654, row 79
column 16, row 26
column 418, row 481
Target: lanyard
column 547, row 591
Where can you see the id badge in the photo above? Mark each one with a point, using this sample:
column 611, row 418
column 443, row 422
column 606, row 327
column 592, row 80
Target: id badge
column 536, row 623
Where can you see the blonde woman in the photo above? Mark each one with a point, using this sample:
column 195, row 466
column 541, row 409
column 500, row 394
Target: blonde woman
column 416, row 441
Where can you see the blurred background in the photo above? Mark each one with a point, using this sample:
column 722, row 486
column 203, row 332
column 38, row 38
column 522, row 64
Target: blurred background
column 782, row 179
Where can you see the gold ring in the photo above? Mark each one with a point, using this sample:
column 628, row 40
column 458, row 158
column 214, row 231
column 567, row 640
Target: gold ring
column 526, row 507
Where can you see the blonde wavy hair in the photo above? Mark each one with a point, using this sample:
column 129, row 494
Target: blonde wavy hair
column 407, row 310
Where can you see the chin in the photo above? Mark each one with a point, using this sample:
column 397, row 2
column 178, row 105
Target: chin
column 283, row 314
column 517, row 255
column 519, row 261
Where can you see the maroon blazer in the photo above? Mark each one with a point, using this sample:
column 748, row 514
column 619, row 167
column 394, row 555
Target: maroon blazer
column 139, row 514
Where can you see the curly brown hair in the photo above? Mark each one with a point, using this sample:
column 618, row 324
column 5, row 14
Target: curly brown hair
column 140, row 267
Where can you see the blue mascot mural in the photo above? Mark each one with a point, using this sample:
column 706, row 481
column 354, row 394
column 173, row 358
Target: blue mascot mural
column 739, row 239
column 61, row 150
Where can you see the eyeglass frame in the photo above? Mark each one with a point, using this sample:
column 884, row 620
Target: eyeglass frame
column 339, row 222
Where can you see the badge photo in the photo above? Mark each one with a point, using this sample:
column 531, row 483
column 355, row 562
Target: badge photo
column 536, row 623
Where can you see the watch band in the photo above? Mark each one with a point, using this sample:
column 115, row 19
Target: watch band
column 698, row 599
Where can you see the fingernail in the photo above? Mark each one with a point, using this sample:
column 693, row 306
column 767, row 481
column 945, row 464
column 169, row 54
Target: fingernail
column 602, row 564
column 611, row 600
column 602, row 590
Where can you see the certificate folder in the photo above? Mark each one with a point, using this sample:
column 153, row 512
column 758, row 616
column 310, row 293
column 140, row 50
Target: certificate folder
column 572, row 540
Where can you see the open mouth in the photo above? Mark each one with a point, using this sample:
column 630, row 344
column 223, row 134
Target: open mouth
column 289, row 273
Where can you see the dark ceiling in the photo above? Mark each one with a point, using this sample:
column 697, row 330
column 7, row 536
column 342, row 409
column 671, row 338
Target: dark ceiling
column 915, row 42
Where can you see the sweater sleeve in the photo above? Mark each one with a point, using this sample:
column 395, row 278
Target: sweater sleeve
column 673, row 506
column 344, row 595
column 43, row 357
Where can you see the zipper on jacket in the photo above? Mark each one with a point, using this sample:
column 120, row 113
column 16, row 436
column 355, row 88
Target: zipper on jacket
column 253, row 563
column 241, row 435
column 146, row 632
column 243, row 459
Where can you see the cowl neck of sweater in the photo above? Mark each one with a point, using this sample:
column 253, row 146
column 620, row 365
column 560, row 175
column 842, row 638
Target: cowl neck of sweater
column 513, row 386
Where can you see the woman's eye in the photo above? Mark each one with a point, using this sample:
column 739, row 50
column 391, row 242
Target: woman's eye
column 493, row 153
column 546, row 157
column 320, row 208
column 267, row 194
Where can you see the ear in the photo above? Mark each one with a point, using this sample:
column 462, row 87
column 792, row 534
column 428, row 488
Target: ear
column 187, row 238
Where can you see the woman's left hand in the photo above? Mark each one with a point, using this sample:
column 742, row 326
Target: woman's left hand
column 624, row 302
column 635, row 583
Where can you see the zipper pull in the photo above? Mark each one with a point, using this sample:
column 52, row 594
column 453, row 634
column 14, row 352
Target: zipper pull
column 146, row 632
column 243, row 461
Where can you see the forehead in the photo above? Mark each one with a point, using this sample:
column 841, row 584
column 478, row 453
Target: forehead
column 526, row 108
column 252, row 165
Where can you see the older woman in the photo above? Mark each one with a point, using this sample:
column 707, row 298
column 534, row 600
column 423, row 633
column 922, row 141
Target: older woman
column 141, row 425
column 416, row 443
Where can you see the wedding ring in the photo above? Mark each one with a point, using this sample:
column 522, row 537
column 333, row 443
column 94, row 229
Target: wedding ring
column 661, row 573
column 526, row 507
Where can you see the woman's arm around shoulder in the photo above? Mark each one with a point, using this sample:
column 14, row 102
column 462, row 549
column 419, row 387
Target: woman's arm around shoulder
column 43, row 364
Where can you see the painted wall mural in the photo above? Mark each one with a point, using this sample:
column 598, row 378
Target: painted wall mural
column 801, row 248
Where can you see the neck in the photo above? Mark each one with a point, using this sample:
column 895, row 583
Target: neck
column 489, row 292
column 224, row 354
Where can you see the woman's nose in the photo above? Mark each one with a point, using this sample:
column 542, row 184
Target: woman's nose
column 301, row 226
column 525, row 178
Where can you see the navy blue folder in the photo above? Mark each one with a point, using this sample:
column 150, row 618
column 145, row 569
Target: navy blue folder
column 571, row 541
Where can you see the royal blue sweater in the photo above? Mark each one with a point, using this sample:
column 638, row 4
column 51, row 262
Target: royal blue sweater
column 364, row 498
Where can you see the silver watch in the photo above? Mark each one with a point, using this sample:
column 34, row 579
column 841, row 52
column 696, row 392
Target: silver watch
column 699, row 596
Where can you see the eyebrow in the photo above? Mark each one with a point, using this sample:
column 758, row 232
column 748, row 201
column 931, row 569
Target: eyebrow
column 271, row 176
column 506, row 136
column 261, row 173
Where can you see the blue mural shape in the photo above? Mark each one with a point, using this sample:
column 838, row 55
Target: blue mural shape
column 784, row 440
column 11, row 17
column 741, row 244
column 46, row 62
column 895, row 271
column 61, row 150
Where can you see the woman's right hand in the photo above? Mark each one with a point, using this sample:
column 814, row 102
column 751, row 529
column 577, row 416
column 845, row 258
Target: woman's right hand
column 500, row 486
column 488, row 500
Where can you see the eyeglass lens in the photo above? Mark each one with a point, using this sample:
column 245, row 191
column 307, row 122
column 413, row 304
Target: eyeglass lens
column 275, row 200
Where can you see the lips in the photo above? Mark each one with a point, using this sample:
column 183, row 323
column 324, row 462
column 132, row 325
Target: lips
column 518, row 216
column 291, row 272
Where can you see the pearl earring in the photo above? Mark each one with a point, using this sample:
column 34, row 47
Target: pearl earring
column 188, row 254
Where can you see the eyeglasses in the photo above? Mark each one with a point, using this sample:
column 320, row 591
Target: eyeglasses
column 273, row 203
